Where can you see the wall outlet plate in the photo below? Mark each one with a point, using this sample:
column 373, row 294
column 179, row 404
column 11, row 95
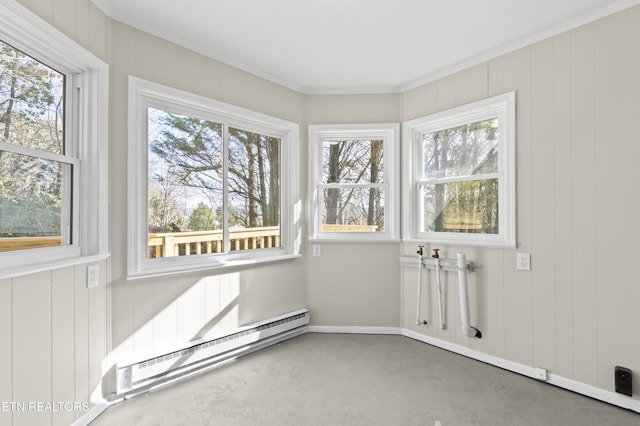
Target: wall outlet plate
column 93, row 276
column 523, row 261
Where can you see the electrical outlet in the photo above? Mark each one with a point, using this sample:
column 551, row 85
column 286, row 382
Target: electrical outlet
column 93, row 276
column 523, row 261
column 623, row 378
column 316, row 250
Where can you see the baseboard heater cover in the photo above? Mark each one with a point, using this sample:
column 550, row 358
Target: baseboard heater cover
column 237, row 342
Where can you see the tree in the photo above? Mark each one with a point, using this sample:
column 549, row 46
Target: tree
column 202, row 218
column 31, row 115
column 469, row 205
column 356, row 165
column 193, row 150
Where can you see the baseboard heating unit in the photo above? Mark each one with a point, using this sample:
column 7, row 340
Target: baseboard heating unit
column 240, row 341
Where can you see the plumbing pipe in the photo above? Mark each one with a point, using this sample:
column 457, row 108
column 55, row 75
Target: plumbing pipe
column 463, row 291
column 420, row 253
column 436, row 258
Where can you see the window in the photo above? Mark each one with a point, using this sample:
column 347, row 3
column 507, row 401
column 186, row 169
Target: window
column 212, row 184
column 460, row 169
column 353, row 182
column 53, row 145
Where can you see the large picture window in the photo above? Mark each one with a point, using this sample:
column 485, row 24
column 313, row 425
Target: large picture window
column 353, row 182
column 460, row 166
column 217, row 187
column 53, row 146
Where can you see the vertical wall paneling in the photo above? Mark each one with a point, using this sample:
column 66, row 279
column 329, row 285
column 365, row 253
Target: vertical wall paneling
column 543, row 204
column 44, row 9
column 6, row 349
column 191, row 68
column 64, row 16
column 617, row 198
column 321, row 290
column 584, row 204
column 81, row 333
column 82, row 24
column 491, row 307
column 191, row 309
column 471, row 84
column 165, row 318
column 518, row 304
column 97, row 327
column 563, row 206
column 165, row 57
column 144, row 45
column 31, row 345
column 63, row 341
column 143, row 292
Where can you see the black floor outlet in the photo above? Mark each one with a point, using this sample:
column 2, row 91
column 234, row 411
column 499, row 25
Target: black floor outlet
column 624, row 381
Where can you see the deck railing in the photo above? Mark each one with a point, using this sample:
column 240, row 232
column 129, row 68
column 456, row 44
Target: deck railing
column 23, row 243
column 201, row 242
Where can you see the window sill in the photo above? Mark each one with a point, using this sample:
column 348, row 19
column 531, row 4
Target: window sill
column 222, row 265
column 48, row 266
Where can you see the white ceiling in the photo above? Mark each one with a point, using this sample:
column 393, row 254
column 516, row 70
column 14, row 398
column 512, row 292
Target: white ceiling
column 355, row 46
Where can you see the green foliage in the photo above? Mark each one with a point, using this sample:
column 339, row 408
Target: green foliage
column 31, row 115
column 202, row 218
column 189, row 153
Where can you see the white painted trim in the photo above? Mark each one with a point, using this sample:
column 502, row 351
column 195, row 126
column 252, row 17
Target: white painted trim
column 390, row 134
column 48, row 266
column 354, row 330
column 92, row 414
column 500, row 106
column 142, row 94
column 87, row 126
column 525, row 370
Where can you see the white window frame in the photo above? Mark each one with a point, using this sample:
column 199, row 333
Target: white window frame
column 502, row 107
column 389, row 133
column 86, row 140
column 142, row 94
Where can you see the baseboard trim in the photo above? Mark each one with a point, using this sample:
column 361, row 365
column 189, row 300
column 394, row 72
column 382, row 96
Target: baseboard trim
column 92, row 414
column 525, row 370
column 353, row 329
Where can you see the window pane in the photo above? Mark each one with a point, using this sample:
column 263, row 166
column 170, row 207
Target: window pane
column 461, row 151
column 466, row 207
column 353, row 210
column 184, row 185
column 31, row 208
column 31, row 102
column 254, row 190
column 352, row 161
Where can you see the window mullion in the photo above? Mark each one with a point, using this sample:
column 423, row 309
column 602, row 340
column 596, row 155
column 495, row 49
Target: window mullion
column 455, row 179
column 36, row 153
column 226, row 242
